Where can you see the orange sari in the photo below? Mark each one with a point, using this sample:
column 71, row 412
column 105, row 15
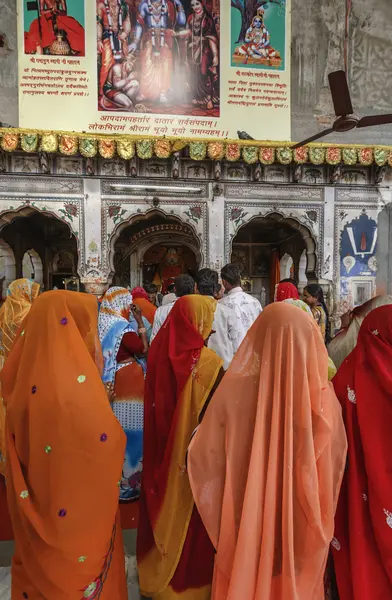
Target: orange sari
column 21, row 294
column 65, row 450
column 175, row 556
column 267, row 461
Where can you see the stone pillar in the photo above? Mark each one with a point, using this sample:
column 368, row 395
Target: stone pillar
column 91, row 271
column 327, row 274
column 216, row 230
column 384, row 243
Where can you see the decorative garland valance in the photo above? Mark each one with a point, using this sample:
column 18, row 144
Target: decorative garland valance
column 251, row 152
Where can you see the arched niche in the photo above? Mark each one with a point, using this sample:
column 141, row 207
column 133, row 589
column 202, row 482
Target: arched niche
column 32, row 267
column 43, row 234
column 268, row 248
column 131, row 242
column 286, row 266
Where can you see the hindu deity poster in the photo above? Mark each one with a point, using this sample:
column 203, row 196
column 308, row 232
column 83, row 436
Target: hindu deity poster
column 258, row 34
column 183, row 68
column 53, row 28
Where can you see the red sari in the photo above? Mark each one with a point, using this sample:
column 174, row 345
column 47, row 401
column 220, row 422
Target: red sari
column 286, row 291
column 362, row 547
column 175, row 555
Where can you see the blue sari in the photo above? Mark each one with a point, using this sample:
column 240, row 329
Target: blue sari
column 128, row 405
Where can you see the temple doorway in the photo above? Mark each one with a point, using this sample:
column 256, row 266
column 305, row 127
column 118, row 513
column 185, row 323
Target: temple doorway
column 43, row 248
column 155, row 249
column 272, row 248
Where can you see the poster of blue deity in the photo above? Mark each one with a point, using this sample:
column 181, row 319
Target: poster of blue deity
column 258, row 33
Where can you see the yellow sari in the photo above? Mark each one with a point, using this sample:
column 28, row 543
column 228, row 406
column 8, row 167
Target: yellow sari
column 175, row 555
column 20, row 296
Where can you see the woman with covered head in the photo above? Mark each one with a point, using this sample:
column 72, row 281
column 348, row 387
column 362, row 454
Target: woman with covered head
column 20, row 296
column 362, row 548
column 345, row 341
column 124, row 347
column 314, row 297
column 175, row 555
column 65, row 451
column 141, row 299
column 267, row 461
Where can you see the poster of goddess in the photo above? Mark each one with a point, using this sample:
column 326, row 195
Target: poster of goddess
column 159, row 56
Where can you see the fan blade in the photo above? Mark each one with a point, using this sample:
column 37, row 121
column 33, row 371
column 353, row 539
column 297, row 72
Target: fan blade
column 375, row 120
column 340, row 93
column 311, row 139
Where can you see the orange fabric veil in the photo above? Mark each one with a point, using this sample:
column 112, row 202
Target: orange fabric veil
column 267, row 462
column 65, row 450
column 21, row 294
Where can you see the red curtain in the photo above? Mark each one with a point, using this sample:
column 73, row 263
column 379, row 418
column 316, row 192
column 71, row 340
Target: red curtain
column 275, row 273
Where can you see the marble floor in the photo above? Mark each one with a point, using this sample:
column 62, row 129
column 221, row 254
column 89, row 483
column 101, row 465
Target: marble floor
column 133, row 588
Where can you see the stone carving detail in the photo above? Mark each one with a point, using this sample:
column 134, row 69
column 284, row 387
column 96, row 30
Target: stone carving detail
column 287, row 193
column 371, row 83
column 69, row 166
column 44, row 162
column 298, row 173
column 258, row 172
column 40, row 185
column 25, row 164
column 107, row 190
column 133, row 166
column 175, row 172
column 365, row 194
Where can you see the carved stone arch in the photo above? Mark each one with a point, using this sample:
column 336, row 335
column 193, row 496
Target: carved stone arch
column 32, row 266
column 171, row 229
column 8, row 216
column 279, row 215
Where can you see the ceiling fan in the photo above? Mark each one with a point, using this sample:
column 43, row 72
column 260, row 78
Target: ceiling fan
column 345, row 120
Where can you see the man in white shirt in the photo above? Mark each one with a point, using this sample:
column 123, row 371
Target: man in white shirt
column 238, row 311
column 207, row 284
column 184, row 286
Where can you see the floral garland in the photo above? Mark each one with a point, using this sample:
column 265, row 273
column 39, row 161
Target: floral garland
column 126, row 147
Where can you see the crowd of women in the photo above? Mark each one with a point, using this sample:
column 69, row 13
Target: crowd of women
column 245, row 488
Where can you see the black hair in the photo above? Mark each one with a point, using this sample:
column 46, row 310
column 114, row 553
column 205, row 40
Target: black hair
column 315, row 290
column 232, row 274
column 171, row 288
column 217, row 288
column 289, row 280
column 206, row 280
column 184, row 285
column 150, row 288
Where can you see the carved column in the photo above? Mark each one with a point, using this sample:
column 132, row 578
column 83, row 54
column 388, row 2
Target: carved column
column 92, row 275
column 216, row 230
